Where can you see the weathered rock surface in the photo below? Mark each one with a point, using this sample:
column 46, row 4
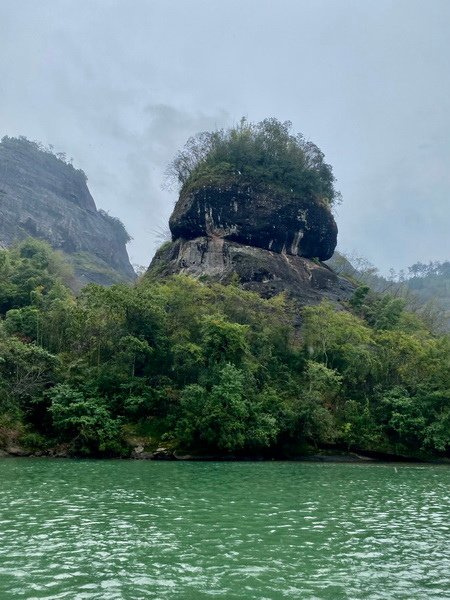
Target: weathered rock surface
column 283, row 224
column 44, row 197
column 16, row 450
column 263, row 271
column 271, row 243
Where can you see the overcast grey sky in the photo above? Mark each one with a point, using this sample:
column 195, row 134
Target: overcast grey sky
column 119, row 85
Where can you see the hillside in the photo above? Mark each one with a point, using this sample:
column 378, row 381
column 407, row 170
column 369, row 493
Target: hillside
column 425, row 287
column 179, row 367
column 238, row 342
column 44, row 196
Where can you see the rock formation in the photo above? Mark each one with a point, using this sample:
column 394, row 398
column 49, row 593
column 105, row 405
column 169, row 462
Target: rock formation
column 269, row 241
column 43, row 196
column 286, row 225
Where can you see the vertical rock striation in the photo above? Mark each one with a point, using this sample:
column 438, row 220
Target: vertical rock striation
column 43, row 196
column 272, row 242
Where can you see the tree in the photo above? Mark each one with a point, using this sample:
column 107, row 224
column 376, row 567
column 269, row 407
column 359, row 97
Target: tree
column 340, row 341
column 359, row 428
column 223, row 341
column 253, row 154
column 84, row 421
column 312, row 409
column 226, row 417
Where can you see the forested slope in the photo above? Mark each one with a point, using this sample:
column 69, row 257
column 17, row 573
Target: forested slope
column 212, row 369
column 424, row 287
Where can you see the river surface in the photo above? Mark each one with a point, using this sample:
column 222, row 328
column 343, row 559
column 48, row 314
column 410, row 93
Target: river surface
column 118, row 530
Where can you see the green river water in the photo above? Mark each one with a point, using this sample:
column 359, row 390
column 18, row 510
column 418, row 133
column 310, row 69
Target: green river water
column 272, row 530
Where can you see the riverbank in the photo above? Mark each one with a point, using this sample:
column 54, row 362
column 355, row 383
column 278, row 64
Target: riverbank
column 166, row 454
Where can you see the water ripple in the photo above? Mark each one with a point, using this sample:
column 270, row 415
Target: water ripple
column 116, row 530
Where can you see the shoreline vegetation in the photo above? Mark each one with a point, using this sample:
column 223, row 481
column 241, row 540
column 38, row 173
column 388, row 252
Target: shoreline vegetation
column 196, row 367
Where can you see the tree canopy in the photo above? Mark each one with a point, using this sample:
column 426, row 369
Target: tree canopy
column 211, row 368
column 264, row 154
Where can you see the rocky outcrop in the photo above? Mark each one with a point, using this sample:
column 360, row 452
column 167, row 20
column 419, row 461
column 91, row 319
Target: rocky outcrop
column 280, row 223
column 43, row 196
column 263, row 271
column 270, row 243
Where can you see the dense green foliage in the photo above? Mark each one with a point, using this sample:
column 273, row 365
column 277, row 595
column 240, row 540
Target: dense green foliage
column 424, row 287
column 211, row 368
column 256, row 154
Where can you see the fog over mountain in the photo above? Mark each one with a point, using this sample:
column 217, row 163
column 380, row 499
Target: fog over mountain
column 120, row 86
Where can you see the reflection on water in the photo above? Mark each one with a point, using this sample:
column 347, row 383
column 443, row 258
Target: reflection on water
column 132, row 530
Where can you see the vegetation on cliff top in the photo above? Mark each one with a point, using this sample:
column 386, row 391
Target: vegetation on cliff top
column 255, row 154
column 41, row 150
column 210, row 368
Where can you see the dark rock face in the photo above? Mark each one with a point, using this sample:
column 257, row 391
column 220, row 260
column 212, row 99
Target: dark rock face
column 264, row 240
column 44, row 197
column 263, row 271
column 287, row 225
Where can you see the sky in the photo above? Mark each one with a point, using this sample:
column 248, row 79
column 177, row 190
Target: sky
column 120, row 85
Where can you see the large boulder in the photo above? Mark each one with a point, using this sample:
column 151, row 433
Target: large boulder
column 266, row 241
column 284, row 224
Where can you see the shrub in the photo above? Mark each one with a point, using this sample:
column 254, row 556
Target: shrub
column 264, row 153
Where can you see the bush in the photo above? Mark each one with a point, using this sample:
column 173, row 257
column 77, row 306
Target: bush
column 253, row 154
column 85, row 422
column 226, row 418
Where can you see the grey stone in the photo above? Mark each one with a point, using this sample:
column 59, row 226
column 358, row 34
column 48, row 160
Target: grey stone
column 267, row 241
column 263, row 271
column 44, row 197
column 15, row 450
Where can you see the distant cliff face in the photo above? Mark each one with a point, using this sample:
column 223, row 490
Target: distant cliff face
column 271, row 243
column 44, row 197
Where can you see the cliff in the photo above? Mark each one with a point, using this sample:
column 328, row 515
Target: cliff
column 297, row 226
column 271, row 242
column 43, row 196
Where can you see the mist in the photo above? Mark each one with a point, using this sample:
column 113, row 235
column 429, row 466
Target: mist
column 120, row 87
